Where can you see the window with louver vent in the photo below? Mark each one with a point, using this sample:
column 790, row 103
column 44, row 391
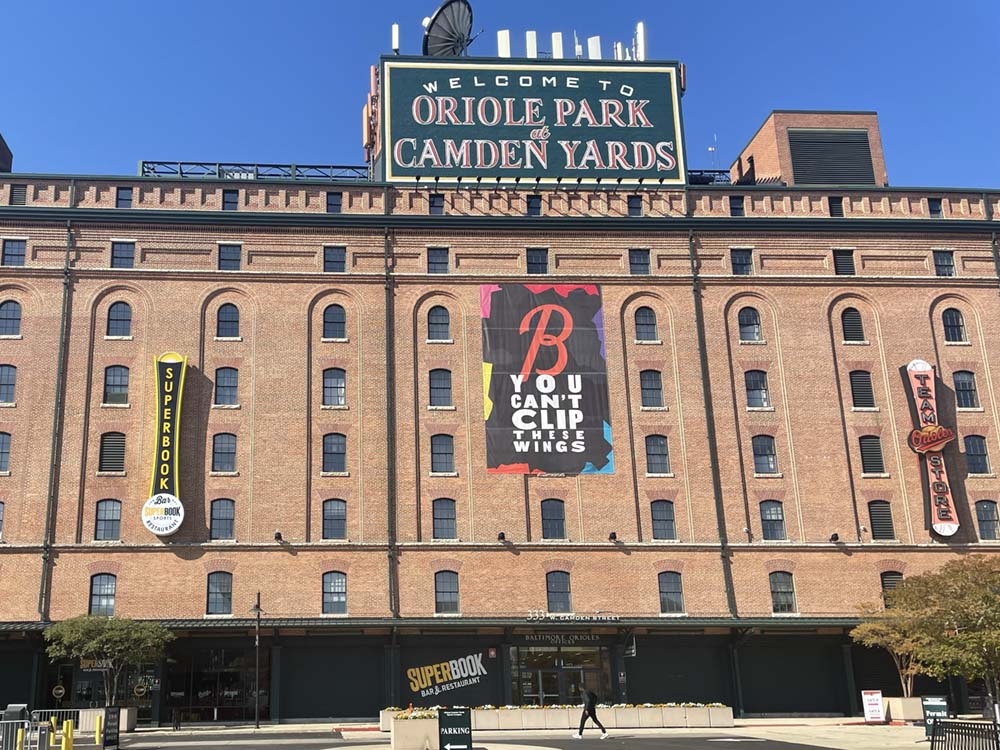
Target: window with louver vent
column 831, row 157
column 880, row 518
column 854, row 329
column 890, row 580
column 862, row 394
column 871, row 455
column 18, row 195
column 837, row 206
column 843, row 262
column 112, row 453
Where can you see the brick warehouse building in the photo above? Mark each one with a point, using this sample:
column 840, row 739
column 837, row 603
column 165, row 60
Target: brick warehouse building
column 756, row 330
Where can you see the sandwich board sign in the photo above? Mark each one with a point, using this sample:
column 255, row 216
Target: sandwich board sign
column 935, row 707
column 874, row 710
column 454, row 729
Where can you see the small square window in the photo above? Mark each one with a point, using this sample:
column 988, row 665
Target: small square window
column 13, row 252
column 18, row 195
column 736, row 205
column 934, row 208
column 843, row 262
column 538, row 260
column 122, row 254
column 437, row 260
column 837, row 206
column 638, row 262
column 334, row 259
column 635, row 205
column 742, row 261
column 944, row 263
column 334, row 202
column 229, row 257
column 534, row 205
column 123, row 197
column 230, row 200
column 436, row 204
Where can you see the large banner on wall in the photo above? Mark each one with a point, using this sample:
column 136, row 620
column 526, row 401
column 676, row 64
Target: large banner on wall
column 163, row 512
column 540, row 120
column 450, row 677
column 545, row 379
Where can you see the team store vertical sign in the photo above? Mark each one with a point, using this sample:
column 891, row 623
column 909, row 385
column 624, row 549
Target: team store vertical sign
column 545, row 379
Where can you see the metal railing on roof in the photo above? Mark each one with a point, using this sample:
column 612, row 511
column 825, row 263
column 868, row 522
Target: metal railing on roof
column 709, row 177
column 244, row 171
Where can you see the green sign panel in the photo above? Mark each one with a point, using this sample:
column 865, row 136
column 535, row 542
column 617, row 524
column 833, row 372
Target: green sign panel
column 536, row 121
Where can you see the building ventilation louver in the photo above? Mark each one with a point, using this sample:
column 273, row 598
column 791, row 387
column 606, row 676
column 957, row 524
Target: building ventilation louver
column 831, row 157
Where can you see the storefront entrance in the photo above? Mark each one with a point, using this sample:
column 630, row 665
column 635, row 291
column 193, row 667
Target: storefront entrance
column 217, row 685
column 547, row 675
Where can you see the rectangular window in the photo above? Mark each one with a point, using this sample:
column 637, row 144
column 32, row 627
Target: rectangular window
column 230, row 200
column 112, row 453
column 123, row 197
column 635, row 205
column 862, row 393
column 742, row 259
column 837, row 206
column 18, row 195
column 436, row 204
column 437, row 260
column 944, row 263
column 334, row 259
column 538, row 260
column 227, row 381
column 229, row 257
column 534, row 205
column 736, row 205
column 13, row 252
column 871, row 455
column 880, row 518
column 638, row 262
column 334, row 202
column 757, row 392
column 122, row 254
column 843, row 262
column 934, row 208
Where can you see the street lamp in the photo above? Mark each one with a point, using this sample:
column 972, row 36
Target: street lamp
column 256, row 610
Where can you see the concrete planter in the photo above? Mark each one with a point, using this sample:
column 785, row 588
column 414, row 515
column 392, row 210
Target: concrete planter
column 673, row 716
column 510, row 718
column 385, row 720
column 650, row 717
column 556, row 718
column 698, row 717
column 606, row 715
column 903, row 709
column 626, row 718
column 533, row 718
column 485, row 718
column 720, row 716
column 414, row 734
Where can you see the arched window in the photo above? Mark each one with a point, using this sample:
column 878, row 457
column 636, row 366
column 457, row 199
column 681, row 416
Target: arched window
column 966, row 394
column 119, row 319
column 10, row 318
column 850, row 322
column 102, row 595
column 989, row 521
column 749, row 321
column 115, row 385
column 557, row 591
column 443, row 513
column 765, row 457
column 220, row 594
column 223, row 519
column 671, row 593
column 334, row 387
column 977, row 457
column 440, row 381
column 228, row 322
column 954, row 325
column 334, row 322
column 645, row 325
column 657, row 457
column 758, row 396
column 880, row 519
column 862, row 393
column 553, row 519
column 111, row 456
column 871, row 454
column 782, row 592
column 438, row 324
column 8, row 383
column 663, row 519
column 224, row 452
column 227, row 386
column 772, row 520
column 334, row 452
column 446, row 592
column 651, row 387
column 890, row 580
column 334, row 519
column 442, row 454
column 334, row 593
column 109, row 519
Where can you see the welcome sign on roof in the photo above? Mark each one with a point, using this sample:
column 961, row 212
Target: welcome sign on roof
column 533, row 121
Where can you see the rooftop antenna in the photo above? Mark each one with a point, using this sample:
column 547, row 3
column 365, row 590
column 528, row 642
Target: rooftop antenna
column 619, row 55
column 557, row 48
column 640, row 41
column 503, row 43
column 448, row 33
column 714, row 150
column 594, row 47
column 530, row 44
column 577, row 47
column 395, row 38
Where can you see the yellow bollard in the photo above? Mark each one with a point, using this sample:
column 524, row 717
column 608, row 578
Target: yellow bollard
column 19, row 742
column 98, row 726
column 52, row 721
column 67, row 735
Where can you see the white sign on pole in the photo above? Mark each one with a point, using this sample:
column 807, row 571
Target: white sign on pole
column 874, row 710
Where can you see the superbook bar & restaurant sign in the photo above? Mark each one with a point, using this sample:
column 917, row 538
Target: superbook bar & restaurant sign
column 531, row 122
column 163, row 512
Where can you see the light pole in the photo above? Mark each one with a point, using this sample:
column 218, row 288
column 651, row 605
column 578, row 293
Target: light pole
column 256, row 667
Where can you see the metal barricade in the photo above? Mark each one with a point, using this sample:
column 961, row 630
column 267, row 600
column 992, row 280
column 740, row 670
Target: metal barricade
column 9, row 734
column 950, row 734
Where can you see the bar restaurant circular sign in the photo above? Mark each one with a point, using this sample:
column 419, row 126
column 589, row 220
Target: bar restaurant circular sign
column 163, row 512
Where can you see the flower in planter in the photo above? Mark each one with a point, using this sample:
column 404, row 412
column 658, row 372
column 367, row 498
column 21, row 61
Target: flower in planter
column 392, row 708
column 509, row 708
column 487, row 707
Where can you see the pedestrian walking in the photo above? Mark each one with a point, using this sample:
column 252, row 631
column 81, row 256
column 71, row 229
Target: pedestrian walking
column 589, row 709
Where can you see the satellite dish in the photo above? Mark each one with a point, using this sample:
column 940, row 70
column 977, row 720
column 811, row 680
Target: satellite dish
column 448, row 31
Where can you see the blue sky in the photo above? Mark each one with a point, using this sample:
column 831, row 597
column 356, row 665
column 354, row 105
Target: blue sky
column 94, row 87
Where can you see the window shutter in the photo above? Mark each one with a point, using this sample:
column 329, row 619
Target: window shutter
column 18, row 195
column 862, row 394
column 891, row 579
column 112, row 456
column 871, row 455
column 837, row 206
column 854, row 330
column 831, row 157
column 880, row 516
column 843, row 262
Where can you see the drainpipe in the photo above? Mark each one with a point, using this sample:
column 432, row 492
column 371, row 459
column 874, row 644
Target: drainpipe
column 390, row 415
column 45, row 585
column 713, row 447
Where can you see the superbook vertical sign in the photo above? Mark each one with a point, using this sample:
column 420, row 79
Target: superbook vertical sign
column 545, row 379
column 163, row 512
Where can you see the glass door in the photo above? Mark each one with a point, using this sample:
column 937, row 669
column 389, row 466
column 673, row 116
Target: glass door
column 549, row 681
